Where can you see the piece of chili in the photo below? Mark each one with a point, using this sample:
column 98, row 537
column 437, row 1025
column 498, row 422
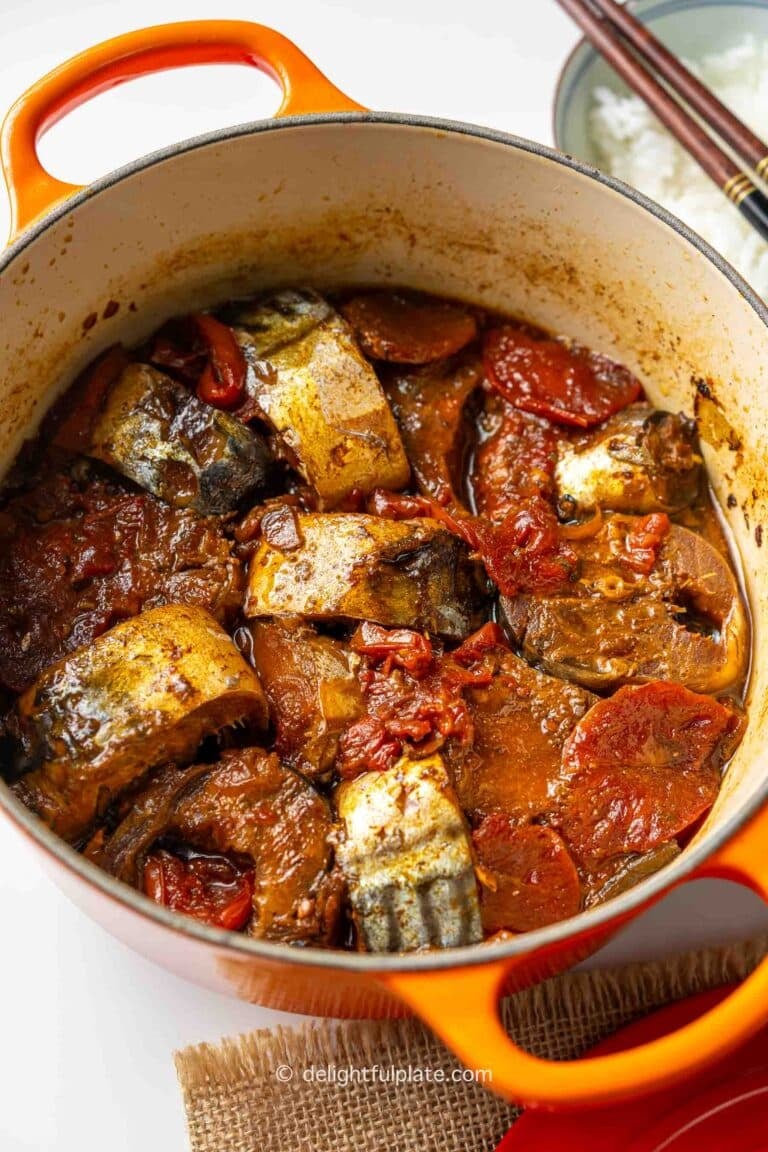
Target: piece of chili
column 222, row 382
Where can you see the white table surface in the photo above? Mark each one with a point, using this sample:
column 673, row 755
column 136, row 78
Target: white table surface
column 87, row 1029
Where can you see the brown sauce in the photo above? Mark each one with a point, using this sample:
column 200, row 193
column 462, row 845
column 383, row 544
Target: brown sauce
column 511, row 562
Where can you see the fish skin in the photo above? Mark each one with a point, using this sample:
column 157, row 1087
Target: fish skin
column 321, row 396
column 399, row 573
column 160, row 435
column 278, row 318
column 144, row 692
column 406, row 857
column 641, row 460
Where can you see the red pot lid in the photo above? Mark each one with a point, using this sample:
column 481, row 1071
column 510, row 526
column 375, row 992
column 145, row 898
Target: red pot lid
column 724, row 1108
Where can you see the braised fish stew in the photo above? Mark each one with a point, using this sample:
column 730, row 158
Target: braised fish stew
column 374, row 622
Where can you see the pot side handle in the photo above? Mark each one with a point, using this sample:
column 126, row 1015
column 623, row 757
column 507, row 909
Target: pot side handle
column 461, row 1006
column 32, row 191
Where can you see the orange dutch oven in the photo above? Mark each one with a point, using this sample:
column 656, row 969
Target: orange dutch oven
column 330, row 193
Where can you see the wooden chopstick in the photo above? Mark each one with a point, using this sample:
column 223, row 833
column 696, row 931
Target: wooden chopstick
column 733, row 131
column 735, row 183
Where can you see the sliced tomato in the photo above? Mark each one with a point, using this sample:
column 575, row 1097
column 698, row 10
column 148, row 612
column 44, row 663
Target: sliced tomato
column 569, row 385
column 408, row 329
column 527, row 876
column 515, row 458
column 211, row 888
column 644, row 765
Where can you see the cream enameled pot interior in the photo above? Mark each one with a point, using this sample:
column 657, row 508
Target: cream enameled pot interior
column 343, row 199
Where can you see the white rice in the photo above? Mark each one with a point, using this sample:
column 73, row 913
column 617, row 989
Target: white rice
column 633, row 146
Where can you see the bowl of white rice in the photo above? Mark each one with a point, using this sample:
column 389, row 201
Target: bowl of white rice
column 599, row 120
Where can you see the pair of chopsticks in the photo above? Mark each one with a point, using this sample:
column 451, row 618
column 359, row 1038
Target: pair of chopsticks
column 628, row 46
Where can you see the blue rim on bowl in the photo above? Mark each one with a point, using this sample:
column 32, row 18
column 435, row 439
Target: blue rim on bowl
column 716, row 22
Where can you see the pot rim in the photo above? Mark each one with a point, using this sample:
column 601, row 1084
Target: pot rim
column 616, row 910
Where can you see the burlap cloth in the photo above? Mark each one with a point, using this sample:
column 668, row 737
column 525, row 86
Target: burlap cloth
column 235, row 1100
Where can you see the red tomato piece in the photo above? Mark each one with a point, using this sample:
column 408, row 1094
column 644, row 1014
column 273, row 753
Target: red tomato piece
column 645, row 540
column 485, row 639
column 408, row 329
column 222, row 382
column 399, row 505
column 211, row 888
column 525, row 552
column 527, row 876
column 515, row 458
column 414, row 696
column 86, row 397
column 645, row 765
column 367, row 746
column 569, row 385
column 394, row 648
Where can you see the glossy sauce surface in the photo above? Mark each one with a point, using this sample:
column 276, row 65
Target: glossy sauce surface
column 496, row 641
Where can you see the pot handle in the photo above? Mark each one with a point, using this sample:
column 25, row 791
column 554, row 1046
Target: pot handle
column 461, row 1006
column 32, row 191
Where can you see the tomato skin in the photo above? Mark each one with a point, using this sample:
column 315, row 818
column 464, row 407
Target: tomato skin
column 525, row 552
column 395, row 648
column 402, row 714
column 222, row 382
column 210, row 888
column 645, row 766
column 204, row 353
column 516, row 457
column 645, row 540
column 399, row 505
column 569, row 385
column 414, row 696
column 527, row 876
column 366, row 746
column 490, row 636
column 86, row 398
